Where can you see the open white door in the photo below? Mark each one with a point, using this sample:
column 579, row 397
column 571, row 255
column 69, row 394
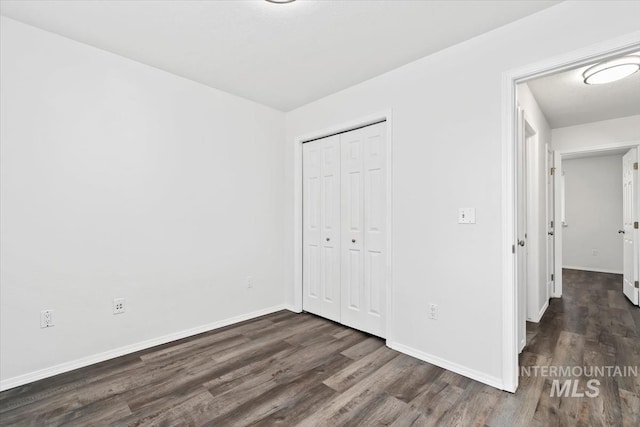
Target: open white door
column 550, row 222
column 630, row 218
column 521, row 218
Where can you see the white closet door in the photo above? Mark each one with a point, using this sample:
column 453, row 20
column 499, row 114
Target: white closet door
column 363, row 229
column 321, row 222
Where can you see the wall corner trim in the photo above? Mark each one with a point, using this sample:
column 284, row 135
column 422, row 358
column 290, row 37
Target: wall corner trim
column 450, row 366
column 132, row 348
column 293, row 308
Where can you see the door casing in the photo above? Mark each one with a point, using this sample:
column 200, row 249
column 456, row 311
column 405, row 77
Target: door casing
column 599, row 149
column 618, row 46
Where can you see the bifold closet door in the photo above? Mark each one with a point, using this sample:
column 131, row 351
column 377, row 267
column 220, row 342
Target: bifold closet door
column 363, row 223
column 321, row 227
column 344, row 218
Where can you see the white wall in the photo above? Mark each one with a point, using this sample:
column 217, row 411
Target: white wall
column 537, row 297
column 624, row 129
column 447, row 154
column 593, row 203
column 121, row 180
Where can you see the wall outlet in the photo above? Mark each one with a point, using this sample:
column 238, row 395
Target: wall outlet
column 118, row 305
column 249, row 282
column 46, row 319
column 433, row 312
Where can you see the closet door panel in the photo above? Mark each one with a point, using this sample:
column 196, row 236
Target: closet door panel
column 363, row 228
column 321, row 227
column 375, row 228
column 330, row 235
column 352, row 227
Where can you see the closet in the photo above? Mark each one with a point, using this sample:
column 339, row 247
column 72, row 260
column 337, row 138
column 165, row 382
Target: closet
column 344, row 235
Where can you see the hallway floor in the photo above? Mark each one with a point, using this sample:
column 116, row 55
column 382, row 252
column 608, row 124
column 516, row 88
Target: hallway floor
column 592, row 325
column 298, row 369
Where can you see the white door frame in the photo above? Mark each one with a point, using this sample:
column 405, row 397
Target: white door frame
column 560, row 156
column 550, row 198
column 618, row 46
column 297, row 205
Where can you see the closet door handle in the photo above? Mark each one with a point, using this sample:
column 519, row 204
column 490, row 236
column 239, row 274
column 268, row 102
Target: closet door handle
column 353, row 240
column 328, row 239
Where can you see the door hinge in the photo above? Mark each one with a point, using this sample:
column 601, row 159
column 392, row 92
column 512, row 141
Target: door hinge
column 551, row 224
column 637, row 285
column 552, row 277
column 513, row 249
column 635, row 165
column 553, row 171
column 635, row 224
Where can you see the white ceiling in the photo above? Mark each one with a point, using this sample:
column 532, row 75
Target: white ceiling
column 566, row 101
column 281, row 55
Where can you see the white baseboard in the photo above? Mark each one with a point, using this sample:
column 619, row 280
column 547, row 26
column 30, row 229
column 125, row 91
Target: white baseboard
column 523, row 343
column 596, row 270
column 292, row 307
column 541, row 312
column 121, row 351
column 450, row 366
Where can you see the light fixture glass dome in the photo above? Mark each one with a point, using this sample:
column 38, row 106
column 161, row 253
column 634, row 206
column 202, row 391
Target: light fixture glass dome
column 610, row 71
column 281, row 1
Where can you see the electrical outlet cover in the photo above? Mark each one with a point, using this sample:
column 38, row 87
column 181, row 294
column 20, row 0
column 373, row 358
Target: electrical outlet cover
column 46, row 319
column 118, row 305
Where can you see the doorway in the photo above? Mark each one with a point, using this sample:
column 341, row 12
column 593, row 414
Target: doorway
column 553, row 287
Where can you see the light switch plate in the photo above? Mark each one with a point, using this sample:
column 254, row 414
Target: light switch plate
column 467, row 216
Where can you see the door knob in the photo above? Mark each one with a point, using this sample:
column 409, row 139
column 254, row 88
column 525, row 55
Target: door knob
column 550, row 233
column 353, row 240
column 620, row 231
column 328, row 239
column 521, row 242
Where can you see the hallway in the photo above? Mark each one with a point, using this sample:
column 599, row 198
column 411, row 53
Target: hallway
column 592, row 325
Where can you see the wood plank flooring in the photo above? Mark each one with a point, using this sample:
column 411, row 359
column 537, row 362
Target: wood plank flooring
column 289, row 369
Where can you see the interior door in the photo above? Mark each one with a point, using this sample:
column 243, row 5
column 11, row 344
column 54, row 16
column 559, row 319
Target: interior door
column 550, row 222
column 521, row 224
column 321, row 227
column 364, row 229
column 630, row 221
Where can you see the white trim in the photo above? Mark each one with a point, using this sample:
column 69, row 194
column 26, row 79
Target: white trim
column 622, row 45
column 132, row 348
column 450, row 366
column 297, row 203
column 292, row 307
column 595, row 270
column 599, row 148
column 559, row 190
column 541, row 312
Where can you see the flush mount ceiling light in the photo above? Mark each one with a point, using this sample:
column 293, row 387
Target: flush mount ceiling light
column 610, row 71
column 281, row 1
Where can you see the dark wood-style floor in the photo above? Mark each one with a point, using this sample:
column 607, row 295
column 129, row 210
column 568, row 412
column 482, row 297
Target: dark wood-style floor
column 297, row 369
